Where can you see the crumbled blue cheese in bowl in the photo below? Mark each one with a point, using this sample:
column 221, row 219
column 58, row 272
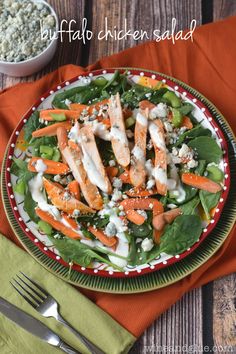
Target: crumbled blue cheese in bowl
column 21, row 22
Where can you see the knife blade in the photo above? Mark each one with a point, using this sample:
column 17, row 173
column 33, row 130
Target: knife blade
column 33, row 326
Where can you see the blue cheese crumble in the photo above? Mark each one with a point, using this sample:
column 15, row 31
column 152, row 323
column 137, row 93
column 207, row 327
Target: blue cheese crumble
column 21, row 22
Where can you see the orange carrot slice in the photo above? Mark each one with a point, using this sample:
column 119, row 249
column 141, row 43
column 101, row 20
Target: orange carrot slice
column 99, row 234
column 46, row 114
column 143, row 203
column 57, row 225
column 70, row 221
column 141, row 192
column 79, row 107
column 89, row 108
column 53, row 167
column 186, row 122
column 105, row 121
column 159, row 221
column 135, row 217
column 63, row 200
column 74, row 190
column 200, row 182
column 137, row 169
column 125, row 177
column 112, row 171
column 145, row 104
column 119, row 141
column 51, row 130
column 157, row 236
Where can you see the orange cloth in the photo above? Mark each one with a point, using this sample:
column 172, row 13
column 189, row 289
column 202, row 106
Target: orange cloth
column 207, row 64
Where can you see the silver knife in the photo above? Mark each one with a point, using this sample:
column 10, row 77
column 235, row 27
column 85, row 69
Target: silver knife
column 33, row 326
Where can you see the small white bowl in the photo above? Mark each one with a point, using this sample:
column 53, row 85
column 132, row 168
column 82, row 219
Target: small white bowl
column 32, row 65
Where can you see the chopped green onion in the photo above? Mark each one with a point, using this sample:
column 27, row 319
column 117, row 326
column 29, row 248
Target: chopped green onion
column 177, row 117
column 56, row 155
column 214, row 173
column 100, row 81
column 59, row 117
column 46, row 150
column 171, row 97
column 45, row 227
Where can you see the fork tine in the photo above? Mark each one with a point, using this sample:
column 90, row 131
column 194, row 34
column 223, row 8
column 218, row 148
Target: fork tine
column 35, row 284
column 25, row 297
column 38, row 302
column 32, row 289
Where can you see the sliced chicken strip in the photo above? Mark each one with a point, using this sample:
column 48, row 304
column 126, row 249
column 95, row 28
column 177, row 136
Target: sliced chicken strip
column 137, row 169
column 92, row 161
column 63, row 200
column 62, row 139
column 73, row 157
column 156, row 131
column 118, row 135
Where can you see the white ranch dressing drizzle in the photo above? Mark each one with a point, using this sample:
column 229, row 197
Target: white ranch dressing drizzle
column 65, row 223
column 138, row 153
column 141, row 119
column 118, row 134
column 35, row 187
column 157, row 136
column 74, row 133
column 121, row 250
column 93, row 173
column 180, row 192
column 40, row 166
column 160, row 175
column 100, row 130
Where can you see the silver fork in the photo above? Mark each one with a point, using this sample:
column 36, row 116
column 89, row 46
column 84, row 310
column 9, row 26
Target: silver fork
column 46, row 305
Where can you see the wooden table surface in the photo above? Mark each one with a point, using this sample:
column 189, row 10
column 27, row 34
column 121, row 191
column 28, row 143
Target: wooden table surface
column 205, row 316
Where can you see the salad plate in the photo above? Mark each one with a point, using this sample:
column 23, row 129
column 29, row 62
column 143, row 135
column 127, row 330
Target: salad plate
column 118, row 177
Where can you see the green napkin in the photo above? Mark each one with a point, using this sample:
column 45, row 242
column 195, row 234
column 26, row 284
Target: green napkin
column 80, row 312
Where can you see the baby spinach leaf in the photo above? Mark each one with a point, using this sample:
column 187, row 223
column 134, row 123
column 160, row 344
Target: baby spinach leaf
column 31, row 125
column 74, row 250
column 94, row 219
column 193, row 133
column 133, row 252
column 179, row 236
column 189, row 208
column 133, row 96
column 206, row 149
column 59, row 99
column 45, row 140
column 209, row 201
column 105, row 150
column 29, row 207
column 157, row 95
column 19, row 168
column 143, row 230
column 185, row 109
column 200, row 169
